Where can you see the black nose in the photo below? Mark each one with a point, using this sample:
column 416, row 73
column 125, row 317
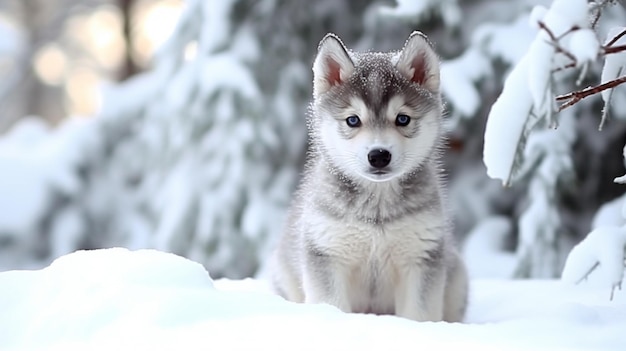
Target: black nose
column 379, row 158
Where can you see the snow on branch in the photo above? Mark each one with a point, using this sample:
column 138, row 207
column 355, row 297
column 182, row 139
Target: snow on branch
column 615, row 59
column 622, row 179
column 602, row 251
column 555, row 41
column 566, row 39
column 614, row 40
column 526, row 100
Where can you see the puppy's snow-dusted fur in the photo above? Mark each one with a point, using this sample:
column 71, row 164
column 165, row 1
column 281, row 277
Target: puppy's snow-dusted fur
column 365, row 234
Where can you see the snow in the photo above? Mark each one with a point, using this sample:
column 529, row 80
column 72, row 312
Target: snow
column 458, row 79
column 538, row 227
column 610, row 214
column 66, row 232
column 584, row 45
column 488, row 239
column 536, row 15
column 506, row 122
column 495, row 39
column 613, row 63
column 150, row 300
column 540, row 56
column 604, row 246
column 39, row 167
column 24, row 190
column 34, row 162
column 216, row 30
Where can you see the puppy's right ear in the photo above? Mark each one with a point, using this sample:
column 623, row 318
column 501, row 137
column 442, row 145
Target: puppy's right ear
column 332, row 65
column 419, row 63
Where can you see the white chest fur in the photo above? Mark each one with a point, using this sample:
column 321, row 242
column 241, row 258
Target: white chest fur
column 372, row 256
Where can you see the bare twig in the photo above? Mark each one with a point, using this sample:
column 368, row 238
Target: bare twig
column 572, row 29
column 618, row 285
column 575, row 96
column 596, row 8
column 569, row 65
column 583, row 73
column 555, row 40
column 614, row 49
column 593, row 268
column 615, row 38
column 596, row 18
column 548, row 31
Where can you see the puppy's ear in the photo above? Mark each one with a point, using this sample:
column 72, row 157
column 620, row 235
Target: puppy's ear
column 419, row 63
column 332, row 64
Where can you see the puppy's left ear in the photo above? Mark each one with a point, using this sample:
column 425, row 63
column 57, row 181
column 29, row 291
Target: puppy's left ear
column 332, row 66
column 419, row 63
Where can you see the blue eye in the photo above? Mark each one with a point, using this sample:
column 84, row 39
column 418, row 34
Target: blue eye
column 353, row 121
column 402, row 120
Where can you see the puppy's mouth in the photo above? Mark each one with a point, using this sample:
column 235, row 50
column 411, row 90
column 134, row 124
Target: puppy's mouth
column 379, row 171
column 379, row 175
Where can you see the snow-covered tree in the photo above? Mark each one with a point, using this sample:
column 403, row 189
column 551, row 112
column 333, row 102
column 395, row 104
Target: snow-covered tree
column 197, row 162
column 518, row 142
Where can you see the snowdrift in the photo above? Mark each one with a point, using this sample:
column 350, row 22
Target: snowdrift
column 150, row 300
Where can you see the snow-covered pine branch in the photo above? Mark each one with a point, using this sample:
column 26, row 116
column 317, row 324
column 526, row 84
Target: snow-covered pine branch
column 613, row 68
column 528, row 91
column 581, row 46
column 601, row 253
column 520, row 142
column 602, row 250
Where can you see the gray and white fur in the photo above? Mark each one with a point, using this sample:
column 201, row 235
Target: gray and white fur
column 367, row 231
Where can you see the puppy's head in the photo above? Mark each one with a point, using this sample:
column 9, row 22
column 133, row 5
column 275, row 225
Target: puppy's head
column 376, row 116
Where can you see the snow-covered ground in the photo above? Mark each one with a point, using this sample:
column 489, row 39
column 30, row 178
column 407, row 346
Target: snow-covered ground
column 117, row 299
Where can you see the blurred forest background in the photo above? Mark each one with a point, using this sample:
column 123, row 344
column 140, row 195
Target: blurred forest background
column 180, row 125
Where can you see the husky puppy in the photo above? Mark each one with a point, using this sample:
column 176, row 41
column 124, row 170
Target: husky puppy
column 367, row 231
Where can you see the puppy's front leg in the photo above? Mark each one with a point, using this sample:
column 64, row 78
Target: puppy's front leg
column 420, row 292
column 325, row 280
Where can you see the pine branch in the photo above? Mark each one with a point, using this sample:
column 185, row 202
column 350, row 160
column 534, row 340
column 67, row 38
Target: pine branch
column 596, row 17
column 518, row 163
column 575, row 96
column 596, row 7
